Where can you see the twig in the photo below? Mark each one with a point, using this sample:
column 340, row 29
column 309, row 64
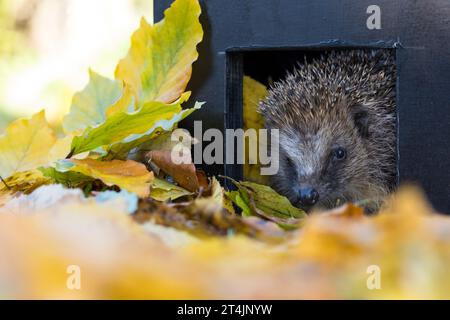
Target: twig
column 4, row 182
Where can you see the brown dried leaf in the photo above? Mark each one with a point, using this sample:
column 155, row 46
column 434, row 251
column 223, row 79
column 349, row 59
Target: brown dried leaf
column 184, row 174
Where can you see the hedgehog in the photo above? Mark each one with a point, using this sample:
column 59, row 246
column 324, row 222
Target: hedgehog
column 336, row 117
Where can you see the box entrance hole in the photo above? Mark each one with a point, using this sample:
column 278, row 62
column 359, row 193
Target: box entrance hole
column 267, row 66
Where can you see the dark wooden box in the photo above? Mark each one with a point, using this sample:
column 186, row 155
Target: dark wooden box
column 270, row 33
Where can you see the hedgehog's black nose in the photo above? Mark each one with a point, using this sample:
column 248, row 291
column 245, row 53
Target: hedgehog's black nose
column 308, row 196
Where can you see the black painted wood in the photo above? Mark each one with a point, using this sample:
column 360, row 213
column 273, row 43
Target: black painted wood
column 419, row 30
column 233, row 106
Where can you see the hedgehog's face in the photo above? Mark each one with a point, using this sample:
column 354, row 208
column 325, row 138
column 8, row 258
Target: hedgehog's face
column 323, row 166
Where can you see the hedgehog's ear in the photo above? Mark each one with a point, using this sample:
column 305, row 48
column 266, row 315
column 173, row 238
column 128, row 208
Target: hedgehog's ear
column 361, row 118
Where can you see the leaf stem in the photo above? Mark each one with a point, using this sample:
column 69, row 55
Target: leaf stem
column 70, row 154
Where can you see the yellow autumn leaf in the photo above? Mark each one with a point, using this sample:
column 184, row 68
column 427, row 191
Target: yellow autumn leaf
column 21, row 182
column 253, row 93
column 215, row 202
column 25, row 181
column 61, row 148
column 217, row 192
column 328, row 259
column 28, row 144
column 159, row 63
column 124, row 104
column 129, row 175
column 46, row 239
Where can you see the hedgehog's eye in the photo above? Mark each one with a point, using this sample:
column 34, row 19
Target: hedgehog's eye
column 339, row 154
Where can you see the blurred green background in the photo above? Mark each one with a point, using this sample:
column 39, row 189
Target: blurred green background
column 47, row 46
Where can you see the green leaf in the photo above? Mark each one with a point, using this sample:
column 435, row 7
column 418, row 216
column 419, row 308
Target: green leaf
column 163, row 190
column 159, row 63
column 235, row 196
column 123, row 127
column 121, row 149
column 260, row 200
column 89, row 106
column 270, row 201
column 69, row 179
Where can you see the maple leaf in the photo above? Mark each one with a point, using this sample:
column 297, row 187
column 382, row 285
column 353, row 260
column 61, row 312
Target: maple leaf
column 159, row 63
column 29, row 144
column 129, row 175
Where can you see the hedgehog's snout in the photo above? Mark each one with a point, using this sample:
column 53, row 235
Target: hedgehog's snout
column 308, row 196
